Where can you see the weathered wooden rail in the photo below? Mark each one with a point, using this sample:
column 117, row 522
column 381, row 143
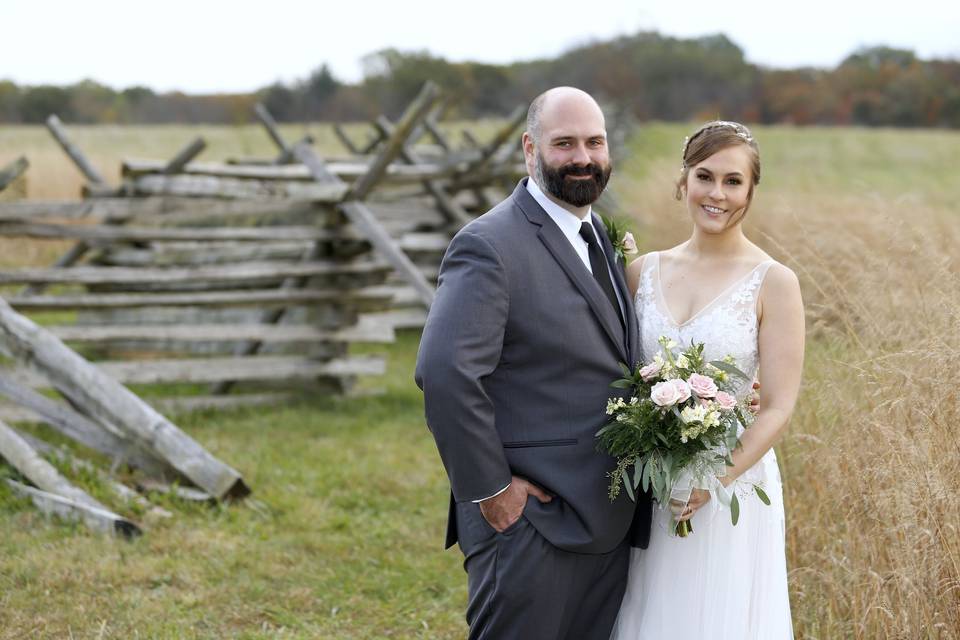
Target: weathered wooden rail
column 100, row 414
column 13, row 171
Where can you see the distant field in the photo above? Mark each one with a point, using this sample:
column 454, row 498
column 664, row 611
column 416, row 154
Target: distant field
column 345, row 542
column 53, row 176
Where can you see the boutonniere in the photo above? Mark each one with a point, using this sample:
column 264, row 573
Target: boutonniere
column 621, row 239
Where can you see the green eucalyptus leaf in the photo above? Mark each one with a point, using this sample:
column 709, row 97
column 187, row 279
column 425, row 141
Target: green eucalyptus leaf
column 729, row 368
column 663, row 482
column 667, row 465
column 628, row 485
column 764, row 498
column 621, row 384
column 734, row 509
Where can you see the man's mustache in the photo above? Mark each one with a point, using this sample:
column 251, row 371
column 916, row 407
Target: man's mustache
column 585, row 170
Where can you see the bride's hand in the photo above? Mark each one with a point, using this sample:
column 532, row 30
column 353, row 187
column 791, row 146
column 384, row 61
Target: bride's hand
column 755, row 398
column 698, row 498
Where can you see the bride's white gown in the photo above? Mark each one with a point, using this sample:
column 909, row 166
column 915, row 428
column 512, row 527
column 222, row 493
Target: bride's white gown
column 722, row 582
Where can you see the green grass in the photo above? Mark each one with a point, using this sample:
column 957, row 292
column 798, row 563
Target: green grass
column 342, row 538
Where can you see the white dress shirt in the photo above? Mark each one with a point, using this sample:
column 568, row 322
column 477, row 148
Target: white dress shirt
column 570, row 227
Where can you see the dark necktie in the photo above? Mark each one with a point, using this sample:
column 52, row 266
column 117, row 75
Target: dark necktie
column 598, row 264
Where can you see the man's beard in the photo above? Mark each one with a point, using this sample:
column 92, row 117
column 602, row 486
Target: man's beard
column 578, row 193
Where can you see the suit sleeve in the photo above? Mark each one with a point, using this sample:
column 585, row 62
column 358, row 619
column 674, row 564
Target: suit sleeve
column 461, row 344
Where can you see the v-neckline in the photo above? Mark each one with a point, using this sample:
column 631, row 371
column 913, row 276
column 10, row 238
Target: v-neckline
column 666, row 307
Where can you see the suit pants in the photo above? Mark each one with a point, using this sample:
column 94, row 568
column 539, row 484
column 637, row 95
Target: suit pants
column 522, row 587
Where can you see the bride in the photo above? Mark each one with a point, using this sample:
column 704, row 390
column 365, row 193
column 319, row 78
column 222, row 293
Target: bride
column 722, row 581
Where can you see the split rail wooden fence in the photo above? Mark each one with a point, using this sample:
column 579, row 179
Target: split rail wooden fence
column 218, row 284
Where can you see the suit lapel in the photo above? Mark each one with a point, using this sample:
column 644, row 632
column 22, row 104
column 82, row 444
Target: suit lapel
column 618, row 268
column 559, row 247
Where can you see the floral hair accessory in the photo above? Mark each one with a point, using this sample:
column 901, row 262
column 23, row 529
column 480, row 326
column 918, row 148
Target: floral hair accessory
column 740, row 130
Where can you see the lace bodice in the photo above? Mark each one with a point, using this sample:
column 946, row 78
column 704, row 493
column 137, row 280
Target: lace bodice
column 727, row 325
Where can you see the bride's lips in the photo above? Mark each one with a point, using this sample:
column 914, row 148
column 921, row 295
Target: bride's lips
column 713, row 211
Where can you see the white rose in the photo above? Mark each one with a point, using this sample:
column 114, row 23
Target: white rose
column 683, row 389
column 665, row 394
column 651, row 371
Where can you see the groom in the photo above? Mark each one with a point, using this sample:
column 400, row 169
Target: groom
column 531, row 318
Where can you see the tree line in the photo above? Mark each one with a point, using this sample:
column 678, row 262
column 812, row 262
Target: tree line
column 647, row 75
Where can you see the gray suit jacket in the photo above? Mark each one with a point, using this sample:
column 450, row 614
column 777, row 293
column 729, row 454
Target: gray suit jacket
column 515, row 363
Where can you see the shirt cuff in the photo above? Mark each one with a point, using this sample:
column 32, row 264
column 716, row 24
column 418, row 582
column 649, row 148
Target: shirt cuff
column 494, row 495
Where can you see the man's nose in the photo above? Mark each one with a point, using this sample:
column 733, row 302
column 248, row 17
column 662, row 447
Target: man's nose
column 580, row 155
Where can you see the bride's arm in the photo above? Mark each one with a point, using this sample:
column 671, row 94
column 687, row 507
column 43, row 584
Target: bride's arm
column 634, row 269
column 780, row 345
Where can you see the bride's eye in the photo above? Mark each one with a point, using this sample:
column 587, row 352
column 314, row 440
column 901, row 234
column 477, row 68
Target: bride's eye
column 734, row 181
column 703, row 176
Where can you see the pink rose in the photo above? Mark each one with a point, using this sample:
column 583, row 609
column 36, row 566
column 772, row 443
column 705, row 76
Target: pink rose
column 629, row 244
column 725, row 401
column 665, row 394
column 703, row 386
column 650, row 371
column 683, row 389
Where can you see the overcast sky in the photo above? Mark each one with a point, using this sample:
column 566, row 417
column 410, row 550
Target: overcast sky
column 206, row 46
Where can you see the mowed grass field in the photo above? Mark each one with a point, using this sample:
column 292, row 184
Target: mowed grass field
column 343, row 538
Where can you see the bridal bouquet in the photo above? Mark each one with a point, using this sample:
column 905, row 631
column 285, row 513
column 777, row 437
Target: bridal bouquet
column 677, row 429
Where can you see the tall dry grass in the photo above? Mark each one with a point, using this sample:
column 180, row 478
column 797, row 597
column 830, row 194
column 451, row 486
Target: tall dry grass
column 871, row 462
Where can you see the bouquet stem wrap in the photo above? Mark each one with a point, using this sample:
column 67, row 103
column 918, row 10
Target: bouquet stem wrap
column 702, row 474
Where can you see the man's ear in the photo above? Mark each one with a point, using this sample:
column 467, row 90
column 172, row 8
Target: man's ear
column 528, row 146
column 529, row 151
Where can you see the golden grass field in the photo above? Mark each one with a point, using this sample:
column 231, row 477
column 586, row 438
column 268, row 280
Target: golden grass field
column 346, row 540
column 869, row 220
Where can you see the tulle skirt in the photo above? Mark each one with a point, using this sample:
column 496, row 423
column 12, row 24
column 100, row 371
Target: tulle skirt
column 722, row 582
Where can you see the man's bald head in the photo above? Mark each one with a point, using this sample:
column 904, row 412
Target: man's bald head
column 557, row 102
column 565, row 147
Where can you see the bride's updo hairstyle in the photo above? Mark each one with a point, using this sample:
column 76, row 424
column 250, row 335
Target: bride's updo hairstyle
column 713, row 137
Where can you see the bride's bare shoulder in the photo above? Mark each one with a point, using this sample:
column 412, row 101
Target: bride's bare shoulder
column 634, row 269
column 780, row 284
column 781, row 273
